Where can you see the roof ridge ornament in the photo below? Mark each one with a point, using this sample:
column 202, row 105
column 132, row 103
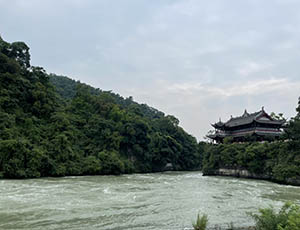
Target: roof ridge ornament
column 246, row 114
column 240, row 127
column 263, row 108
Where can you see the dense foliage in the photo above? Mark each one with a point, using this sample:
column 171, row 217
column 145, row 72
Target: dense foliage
column 54, row 126
column 278, row 161
column 287, row 218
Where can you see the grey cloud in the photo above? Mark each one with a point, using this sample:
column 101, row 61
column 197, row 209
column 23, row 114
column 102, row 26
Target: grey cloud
column 198, row 60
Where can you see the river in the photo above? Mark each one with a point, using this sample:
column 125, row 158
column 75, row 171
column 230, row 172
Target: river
column 169, row 200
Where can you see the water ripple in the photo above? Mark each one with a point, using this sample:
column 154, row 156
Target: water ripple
column 140, row 201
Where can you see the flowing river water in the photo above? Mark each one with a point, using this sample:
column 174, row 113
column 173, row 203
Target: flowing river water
column 169, row 200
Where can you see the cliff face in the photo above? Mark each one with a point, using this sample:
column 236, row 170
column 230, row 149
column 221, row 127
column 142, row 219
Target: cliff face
column 277, row 161
column 243, row 173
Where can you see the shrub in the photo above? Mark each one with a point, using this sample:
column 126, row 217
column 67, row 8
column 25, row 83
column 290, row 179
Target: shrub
column 288, row 218
column 293, row 218
column 201, row 222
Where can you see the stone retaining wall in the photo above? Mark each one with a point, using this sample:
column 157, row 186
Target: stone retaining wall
column 243, row 173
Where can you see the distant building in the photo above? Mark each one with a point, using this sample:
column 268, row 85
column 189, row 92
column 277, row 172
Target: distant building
column 259, row 126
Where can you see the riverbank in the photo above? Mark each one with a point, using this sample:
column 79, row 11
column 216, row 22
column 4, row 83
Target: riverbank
column 276, row 161
column 243, row 173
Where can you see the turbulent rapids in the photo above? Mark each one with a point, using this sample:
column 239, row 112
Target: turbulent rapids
column 168, row 200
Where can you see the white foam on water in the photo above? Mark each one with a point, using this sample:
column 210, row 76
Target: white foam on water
column 106, row 191
column 153, row 201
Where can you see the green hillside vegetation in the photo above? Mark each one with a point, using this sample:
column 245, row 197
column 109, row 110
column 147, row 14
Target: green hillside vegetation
column 279, row 161
column 54, row 126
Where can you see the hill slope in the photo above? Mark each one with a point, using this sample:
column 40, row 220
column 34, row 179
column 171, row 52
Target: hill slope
column 54, row 126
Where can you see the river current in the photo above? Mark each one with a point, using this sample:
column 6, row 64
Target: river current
column 169, row 200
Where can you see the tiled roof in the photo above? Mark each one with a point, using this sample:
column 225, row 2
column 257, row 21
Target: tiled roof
column 247, row 118
column 242, row 120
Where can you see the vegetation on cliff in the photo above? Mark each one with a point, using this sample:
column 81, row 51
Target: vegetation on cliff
column 54, row 126
column 279, row 160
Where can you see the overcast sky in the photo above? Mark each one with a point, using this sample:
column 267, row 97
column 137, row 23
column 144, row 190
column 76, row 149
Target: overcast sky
column 197, row 60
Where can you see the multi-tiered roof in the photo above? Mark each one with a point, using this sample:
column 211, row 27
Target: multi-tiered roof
column 258, row 124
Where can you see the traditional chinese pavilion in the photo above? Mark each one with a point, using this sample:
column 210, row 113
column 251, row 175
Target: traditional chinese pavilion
column 259, row 125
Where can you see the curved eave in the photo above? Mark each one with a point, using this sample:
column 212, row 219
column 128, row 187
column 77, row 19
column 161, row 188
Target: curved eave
column 269, row 134
column 215, row 136
column 211, row 136
column 217, row 126
column 281, row 122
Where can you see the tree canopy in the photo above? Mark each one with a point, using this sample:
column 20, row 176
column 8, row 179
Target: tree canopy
column 51, row 125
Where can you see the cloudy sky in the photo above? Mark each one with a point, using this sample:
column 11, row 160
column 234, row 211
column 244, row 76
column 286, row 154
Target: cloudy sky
column 197, row 60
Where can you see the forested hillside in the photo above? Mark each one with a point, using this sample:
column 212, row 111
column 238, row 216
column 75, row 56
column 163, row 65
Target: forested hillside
column 278, row 161
column 54, row 126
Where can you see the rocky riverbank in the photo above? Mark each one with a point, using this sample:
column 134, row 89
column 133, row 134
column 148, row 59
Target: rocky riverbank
column 243, row 173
